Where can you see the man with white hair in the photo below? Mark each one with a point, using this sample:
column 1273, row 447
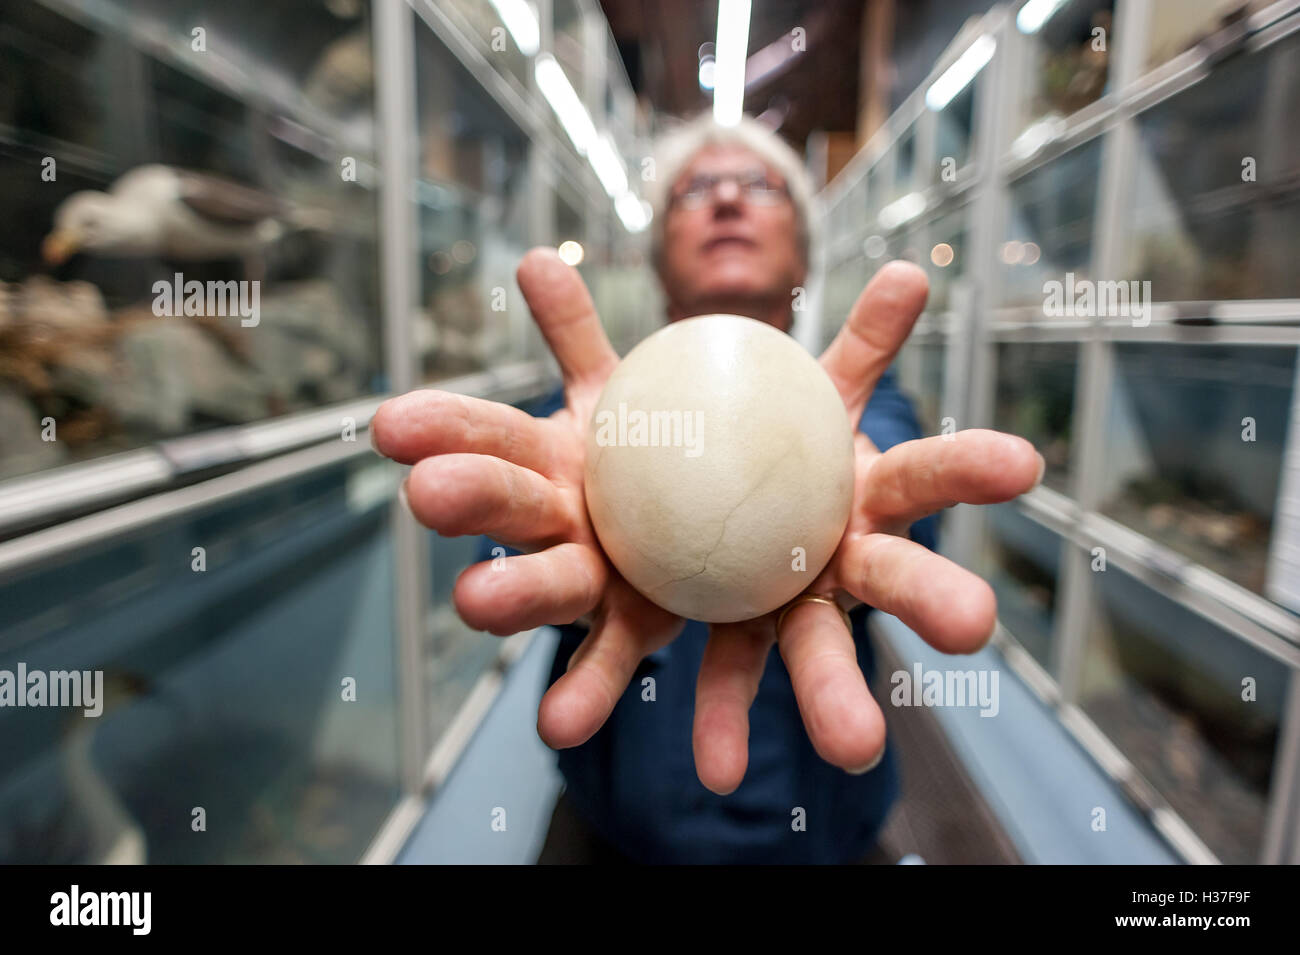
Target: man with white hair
column 744, row 756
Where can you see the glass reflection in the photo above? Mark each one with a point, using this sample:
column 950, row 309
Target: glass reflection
column 945, row 260
column 954, row 128
column 248, row 669
column 921, row 369
column 204, row 250
column 1071, row 59
column 1195, row 437
column 1021, row 561
column 1216, row 200
column 1035, row 400
column 473, row 220
column 1175, row 26
column 1168, row 688
column 1050, row 226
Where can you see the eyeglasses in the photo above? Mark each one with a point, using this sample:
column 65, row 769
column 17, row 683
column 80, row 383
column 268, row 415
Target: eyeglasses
column 754, row 185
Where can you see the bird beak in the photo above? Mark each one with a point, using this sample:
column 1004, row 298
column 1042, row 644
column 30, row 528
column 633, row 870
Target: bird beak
column 59, row 246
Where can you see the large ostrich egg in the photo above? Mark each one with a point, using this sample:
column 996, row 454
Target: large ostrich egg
column 719, row 471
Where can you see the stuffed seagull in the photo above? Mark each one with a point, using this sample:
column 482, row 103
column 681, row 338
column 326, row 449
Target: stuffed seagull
column 171, row 213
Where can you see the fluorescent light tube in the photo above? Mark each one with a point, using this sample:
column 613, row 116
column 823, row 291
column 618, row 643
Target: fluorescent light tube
column 731, row 49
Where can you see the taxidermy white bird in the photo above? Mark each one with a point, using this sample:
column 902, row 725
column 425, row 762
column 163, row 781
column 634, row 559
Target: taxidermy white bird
column 171, row 213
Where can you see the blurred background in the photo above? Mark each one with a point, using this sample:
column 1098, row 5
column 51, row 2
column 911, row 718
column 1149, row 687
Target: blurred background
column 191, row 505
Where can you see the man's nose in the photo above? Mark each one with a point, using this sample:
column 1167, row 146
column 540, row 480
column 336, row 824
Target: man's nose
column 727, row 191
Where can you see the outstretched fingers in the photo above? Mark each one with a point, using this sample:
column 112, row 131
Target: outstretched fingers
column 730, row 671
column 425, row 423
column 920, row 477
column 566, row 316
column 844, row 723
column 951, row 608
column 626, row 629
column 877, row 325
column 507, row 595
column 461, row 494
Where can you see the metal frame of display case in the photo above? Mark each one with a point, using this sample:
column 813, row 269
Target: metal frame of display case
column 973, row 330
column 50, row 514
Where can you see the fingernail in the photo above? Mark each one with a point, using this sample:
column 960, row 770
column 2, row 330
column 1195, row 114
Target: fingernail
column 1042, row 469
column 404, row 498
column 870, row 766
column 373, row 443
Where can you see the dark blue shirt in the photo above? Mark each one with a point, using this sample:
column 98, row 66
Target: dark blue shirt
column 634, row 781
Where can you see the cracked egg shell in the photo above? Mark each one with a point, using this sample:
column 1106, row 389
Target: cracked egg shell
column 719, row 469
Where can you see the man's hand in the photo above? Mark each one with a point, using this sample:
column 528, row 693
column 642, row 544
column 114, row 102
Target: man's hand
column 485, row 468
column 481, row 467
column 875, row 563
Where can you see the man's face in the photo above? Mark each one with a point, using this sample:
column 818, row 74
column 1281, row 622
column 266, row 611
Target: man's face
column 730, row 234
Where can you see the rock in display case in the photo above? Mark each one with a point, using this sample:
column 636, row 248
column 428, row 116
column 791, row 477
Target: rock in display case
column 1150, row 579
column 235, row 228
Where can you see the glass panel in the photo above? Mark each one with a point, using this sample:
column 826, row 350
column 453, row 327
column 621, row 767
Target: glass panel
column 844, row 283
column 1070, row 58
column 457, row 654
column 875, row 192
column 945, row 261
column 1217, row 184
column 221, row 682
column 921, row 368
column 1195, row 438
column 196, row 261
column 1021, row 561
column 627, row 293
column 1049, row 229
column 570, row 218
column 1174, row 26
column 954, row 127
column 905, row 163
column 473, row 220
column 1167, row 687
column 494, row 38
column 570, row 42
column 315, row 57
column 1035, row 399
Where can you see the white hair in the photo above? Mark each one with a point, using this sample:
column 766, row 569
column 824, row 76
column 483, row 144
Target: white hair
column 675, row 150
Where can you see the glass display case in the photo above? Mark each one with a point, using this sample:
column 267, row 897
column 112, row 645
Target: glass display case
column 1195, row 439
column 1022, row 562
column 1149, row 575
column 1070, row 56
column 875, row 194
column 202, row 249
column 242, row 658
column 278, row 647
column 473, row 200
column 1217, row 185
column 954, row 135
column 569, row 37
column 1176, row 26
column 1050, row 223
column 508, row 44
column 1035, row 399
column 844, row 283
column 1196, row 709
column 945, row 261
column 457, row 656
column 922, row 365
column 905, row 180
